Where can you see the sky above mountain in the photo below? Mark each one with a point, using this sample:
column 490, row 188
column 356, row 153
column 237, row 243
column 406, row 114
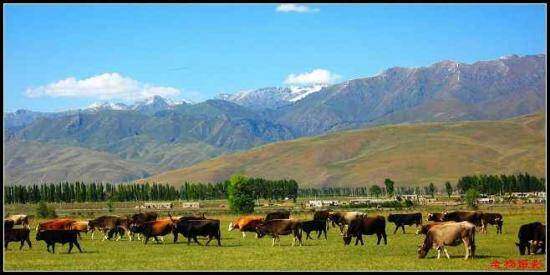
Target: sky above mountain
column 59, row 57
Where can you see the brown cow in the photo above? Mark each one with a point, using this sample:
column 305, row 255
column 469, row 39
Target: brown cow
column 451, row 234
column 491, row 218
column 278, row 227
column 344, row 218
column 55, row 224
column 246, row 224
column 106, row 224
column 155, row 229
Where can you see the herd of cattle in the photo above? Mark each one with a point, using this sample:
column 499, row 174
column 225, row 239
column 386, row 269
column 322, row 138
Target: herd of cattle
column 445, row 229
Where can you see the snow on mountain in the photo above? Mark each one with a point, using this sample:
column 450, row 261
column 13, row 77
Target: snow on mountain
column 270, row 97
column 149, row 105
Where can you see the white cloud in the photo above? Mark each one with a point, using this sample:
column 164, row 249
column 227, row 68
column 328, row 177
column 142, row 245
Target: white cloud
column 295, row 8
column 105, row 86
column 315, row 77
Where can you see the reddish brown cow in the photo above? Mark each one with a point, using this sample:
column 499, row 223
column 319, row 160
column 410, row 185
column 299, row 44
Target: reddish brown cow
column 56, row 224
column 246, row 223
column 155, row 229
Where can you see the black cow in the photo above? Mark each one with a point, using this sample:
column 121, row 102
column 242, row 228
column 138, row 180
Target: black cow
column 366, row 226
column 320, row 226
column 140, row 218
column 8, row 224
column 51, row 237
column 17, row 235
column 191, row 229
column 280, row 214
column 464, row 216
column 401, row 220
column 491, row 218
column 532, row 236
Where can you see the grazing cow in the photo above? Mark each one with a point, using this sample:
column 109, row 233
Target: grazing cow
column 17, row 235
column 277, row 227
column 344, row 218
column 55, row 224
column 193, row 228
column 320, row 226
column 401, row 220
column 8, row 224
column 532, row 236
column 155, row 229
column 425, row 228
column 246, row 224
column 451, row 234
column 434, row 217
column 279, row 214
column 107, row 223
column 20, row 219
column 366, row 226
column 464, row 216
column 51, row 237
column 491, row 218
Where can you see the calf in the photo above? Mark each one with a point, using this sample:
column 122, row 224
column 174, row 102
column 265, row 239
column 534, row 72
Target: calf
column 452, row 234
column 434, row 217
column 532, row 236
column 278, row 227
column 17, row 235
column 401, row 220
column 491, row 218
column 320, row 226
column 280, row 214
column 366, row 226
column 246, row 224
column 51, row 237
column 193, row 228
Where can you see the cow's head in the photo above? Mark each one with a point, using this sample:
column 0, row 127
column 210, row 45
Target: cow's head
column 334, row 218
column 231, row 227
column 521, row 248
column 260, row 231
column 39, row 235
column 391, row 217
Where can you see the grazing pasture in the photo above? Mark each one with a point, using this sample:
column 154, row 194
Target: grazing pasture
column 237, row 253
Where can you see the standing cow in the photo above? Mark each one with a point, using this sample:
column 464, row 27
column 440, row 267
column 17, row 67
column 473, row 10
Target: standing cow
column 401, row 220
column 107, row 223
column 193, row 228
column 449, row 234
column 344, row 218
column 320, row 226
column 366, row 226
column 246, row 224
column 156, row 229
column 493, row 219
column 20, row 219
column 279, row 214
column 17, row 235
column 51, row 237
column 278, row 227
column 532, row 236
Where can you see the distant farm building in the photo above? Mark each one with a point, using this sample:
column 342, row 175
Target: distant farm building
column 193, row 205
column 322, row 203
column 156, row 205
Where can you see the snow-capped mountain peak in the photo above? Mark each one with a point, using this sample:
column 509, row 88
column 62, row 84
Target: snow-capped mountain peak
column 107, row 106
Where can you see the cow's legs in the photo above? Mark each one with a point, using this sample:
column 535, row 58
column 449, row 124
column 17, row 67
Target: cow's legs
column 244, row 235
column 53, row 247
column 379, row 238
column 273, row 241
column 446, row 253
column 385, row 237
column 195, row 239
column 93, row 231
column 396, row 227
column 70, row 247
column 319, row 233
column 438, row 252
column 78, row 246
column 403, row 227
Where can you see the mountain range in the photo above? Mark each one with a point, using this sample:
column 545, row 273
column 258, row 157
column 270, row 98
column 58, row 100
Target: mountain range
column 160, row 135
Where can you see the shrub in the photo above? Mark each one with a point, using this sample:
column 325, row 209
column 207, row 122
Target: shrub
column 241, row 194
column 43, row 211
column 471, row 197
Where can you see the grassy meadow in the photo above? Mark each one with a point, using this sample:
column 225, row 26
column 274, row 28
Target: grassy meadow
column 237, row 253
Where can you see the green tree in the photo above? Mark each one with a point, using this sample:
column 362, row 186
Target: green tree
column 375, row 190
column 389, row 186
column 471, row 197
column 448, row 189
column 110, row 206
column 431, row 189
column 240, row 194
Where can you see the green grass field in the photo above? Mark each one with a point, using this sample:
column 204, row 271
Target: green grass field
column 249, row 253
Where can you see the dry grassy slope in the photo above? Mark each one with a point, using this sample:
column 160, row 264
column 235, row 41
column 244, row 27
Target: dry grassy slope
column 413, row 154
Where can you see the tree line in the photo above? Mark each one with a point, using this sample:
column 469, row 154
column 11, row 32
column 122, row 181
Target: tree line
column 98, row 192
column 501, row 184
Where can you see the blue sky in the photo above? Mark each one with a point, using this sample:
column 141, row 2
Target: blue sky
column 55, row 56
